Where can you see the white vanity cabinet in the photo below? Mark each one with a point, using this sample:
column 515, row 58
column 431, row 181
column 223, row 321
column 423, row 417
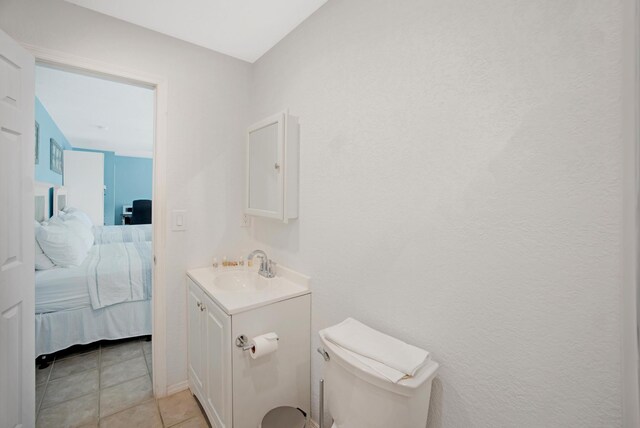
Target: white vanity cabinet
column 236, row 390
column 210, row 356
column 272, row 168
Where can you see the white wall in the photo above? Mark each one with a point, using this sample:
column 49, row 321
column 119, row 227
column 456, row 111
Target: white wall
column 207, row 101
column 461, row 167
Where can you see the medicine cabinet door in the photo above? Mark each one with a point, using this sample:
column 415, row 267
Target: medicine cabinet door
column 265, row 148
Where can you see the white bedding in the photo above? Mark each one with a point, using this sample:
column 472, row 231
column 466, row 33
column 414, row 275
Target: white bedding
column 128, row 233
column 118, row 273
column 59, row 330
column 111, row 274
column 61, row 289
column 64, row 313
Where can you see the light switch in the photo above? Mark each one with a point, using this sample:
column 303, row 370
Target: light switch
column 179, row 220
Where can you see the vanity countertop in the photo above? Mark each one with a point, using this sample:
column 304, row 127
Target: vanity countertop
column 239, row 290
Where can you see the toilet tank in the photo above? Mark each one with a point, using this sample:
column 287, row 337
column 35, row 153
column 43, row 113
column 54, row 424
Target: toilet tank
column 357, row 397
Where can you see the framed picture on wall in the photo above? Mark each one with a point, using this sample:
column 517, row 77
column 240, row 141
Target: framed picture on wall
column 37, row 143
column 56, row 162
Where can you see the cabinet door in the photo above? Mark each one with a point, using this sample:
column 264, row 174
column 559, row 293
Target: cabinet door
column 265, row 168
column 218, row 383
column 196, row 339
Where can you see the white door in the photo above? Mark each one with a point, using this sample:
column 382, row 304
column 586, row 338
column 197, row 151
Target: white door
column 17, row 307
column 195, row 338
column 84, row 181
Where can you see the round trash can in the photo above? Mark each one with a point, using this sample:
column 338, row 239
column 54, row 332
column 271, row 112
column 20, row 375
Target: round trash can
column 284, row 417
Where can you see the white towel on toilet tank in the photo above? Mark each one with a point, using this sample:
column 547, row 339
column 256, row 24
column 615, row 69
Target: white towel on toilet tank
column 391, row 357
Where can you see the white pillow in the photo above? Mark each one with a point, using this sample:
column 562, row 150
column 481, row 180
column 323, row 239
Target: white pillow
column 80, row 215
column 42, row 262
column 66, row 243
column 78, row 227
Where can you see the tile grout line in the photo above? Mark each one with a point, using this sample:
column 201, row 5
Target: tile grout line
column 70, row 374
column 134, row 405
column 99, row 380
column 98, row 368
column 100, row 362
column 84, row 395
column 181, row 422
column 46, row 383
column 159, row 412
column 130, row 407
column 64, row 401
column 157, row 401
column 126, row 359
column 49, row 380
column 74, row 355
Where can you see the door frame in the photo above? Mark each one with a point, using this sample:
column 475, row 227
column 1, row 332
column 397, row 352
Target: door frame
column 72, row 63
column 630, row 292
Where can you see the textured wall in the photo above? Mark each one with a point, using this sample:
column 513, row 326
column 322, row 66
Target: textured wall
column 460, row 184
column 207, row 104
column 461, row 168
column 48, row 130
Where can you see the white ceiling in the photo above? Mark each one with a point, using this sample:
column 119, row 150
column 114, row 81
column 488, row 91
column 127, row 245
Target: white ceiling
column 95, row 113
column 244, row 29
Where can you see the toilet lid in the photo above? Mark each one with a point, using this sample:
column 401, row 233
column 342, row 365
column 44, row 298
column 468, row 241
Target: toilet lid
column 284, row 417
column 348, row 360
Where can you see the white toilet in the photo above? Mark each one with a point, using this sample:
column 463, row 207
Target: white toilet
column 358, row 397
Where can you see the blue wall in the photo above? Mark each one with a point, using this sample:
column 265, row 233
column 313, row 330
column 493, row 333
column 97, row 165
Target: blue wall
column 133, row 180
column 110, row 183
column 48, row 130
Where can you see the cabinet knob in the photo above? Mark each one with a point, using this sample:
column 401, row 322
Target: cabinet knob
column 199, row 304
column 202, row 307
column 277, row 166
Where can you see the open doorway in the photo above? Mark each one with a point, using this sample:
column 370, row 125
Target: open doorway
column 94, row 174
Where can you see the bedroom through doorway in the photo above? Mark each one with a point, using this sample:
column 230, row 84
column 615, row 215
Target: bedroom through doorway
column 94, row 197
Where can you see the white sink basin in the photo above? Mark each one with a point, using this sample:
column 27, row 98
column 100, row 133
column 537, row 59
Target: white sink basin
column 242, row 281
column 238, row 290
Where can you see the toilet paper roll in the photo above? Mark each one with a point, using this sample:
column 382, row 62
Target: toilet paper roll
column 264, row 345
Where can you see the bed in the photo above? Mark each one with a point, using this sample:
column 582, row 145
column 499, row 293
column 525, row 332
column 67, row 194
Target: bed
column 59, row 202
column 95, row 300
column 115, row 234
column 107, row 297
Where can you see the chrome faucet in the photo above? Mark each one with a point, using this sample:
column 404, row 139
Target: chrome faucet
column 266, row 265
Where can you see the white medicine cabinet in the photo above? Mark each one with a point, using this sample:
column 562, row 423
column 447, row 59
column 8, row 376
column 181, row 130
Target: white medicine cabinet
column 272, row 168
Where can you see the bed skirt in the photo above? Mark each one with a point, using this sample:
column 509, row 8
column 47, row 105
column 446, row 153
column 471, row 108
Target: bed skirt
column 56, row 331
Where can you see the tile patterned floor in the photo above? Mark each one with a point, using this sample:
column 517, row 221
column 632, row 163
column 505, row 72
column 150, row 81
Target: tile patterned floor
column 109, row 385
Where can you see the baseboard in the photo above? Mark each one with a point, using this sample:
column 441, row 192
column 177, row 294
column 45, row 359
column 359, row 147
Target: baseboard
column 177, row 387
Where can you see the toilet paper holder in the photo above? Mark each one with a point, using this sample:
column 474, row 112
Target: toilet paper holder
column 243, row 342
